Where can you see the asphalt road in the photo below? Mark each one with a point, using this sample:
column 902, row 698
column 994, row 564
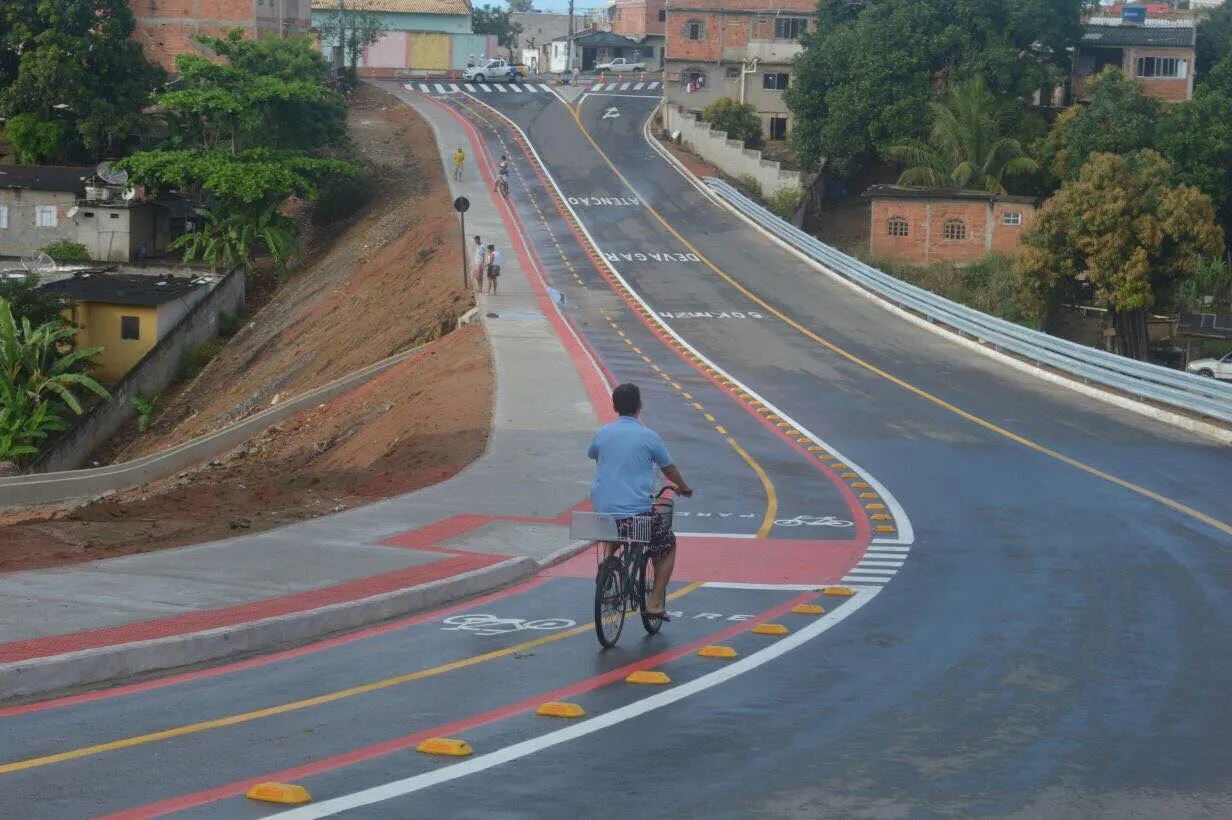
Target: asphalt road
column 1055, row 646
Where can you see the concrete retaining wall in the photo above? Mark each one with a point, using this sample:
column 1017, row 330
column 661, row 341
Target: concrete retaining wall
column 150, row 376
column 729, row 156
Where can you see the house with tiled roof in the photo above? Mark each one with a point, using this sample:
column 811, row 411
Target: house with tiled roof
column 1157, row 53
column 421, row 36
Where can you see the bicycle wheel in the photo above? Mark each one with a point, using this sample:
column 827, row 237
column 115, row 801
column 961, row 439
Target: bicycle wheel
column 645, row 583
column 609, row 602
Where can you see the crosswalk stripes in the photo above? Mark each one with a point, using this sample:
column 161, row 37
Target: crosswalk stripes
column 440, row 89
column 484, row 87
column 502, row 88
column 518, row 88
column 533, row 90
column 639, row 86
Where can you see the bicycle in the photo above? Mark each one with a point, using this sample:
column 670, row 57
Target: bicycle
column 502, row 186
column 625, row 578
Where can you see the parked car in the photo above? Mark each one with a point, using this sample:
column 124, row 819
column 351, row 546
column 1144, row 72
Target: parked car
column 1212, row 368
column 497, row 71
column 620, row 64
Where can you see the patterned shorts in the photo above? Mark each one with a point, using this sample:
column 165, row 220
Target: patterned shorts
column 662, row 539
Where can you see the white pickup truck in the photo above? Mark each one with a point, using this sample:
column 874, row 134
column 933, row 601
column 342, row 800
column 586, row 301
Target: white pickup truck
column 498, row 71
column 620, row 64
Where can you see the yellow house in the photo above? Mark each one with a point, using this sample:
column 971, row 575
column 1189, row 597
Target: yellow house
column 125, row 314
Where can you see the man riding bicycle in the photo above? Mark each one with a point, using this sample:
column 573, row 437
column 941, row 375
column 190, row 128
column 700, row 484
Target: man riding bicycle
column 626, row 452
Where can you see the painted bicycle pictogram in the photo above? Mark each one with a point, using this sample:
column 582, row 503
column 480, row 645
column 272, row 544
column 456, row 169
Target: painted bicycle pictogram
column 812, row 521
column 484, row 624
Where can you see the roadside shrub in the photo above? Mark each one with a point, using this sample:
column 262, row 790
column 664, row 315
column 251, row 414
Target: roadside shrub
column 66, row 250
column 195, row 358
column 750, row 184
column 341, row 199
column 739, row 120
column 988, row 285
column 230, row 323
column 784, row 202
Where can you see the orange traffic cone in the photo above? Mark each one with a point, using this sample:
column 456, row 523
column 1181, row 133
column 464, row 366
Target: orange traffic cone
column 602, row 77
column 621, row 78
column 643, row 77
column 372, row 74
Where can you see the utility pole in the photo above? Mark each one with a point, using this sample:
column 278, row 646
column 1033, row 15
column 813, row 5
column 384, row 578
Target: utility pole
column 569, row 43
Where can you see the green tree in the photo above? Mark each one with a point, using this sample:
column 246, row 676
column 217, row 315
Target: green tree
column 488, row 19
column 246, row 133
column 354, row 29
column 37, row 381
column 28, row 301
column 739, row 120
column 1196, row 139
column 967, row 146
column 521, row 5
column 1128, row 231
column 864, row 79
column 1214, row 40
column 71, row 66
column 1119, row 119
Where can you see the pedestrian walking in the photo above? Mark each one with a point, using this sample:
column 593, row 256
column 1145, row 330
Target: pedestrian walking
column 575, row 75
column 459, row 157
column 481, row 263
column 493, row 268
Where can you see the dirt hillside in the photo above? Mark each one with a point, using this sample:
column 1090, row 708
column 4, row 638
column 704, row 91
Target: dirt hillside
column 383, row 283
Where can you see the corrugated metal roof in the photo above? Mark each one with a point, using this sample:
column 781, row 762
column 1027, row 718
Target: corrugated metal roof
column 399, row 6
column 1165, row 36
column 69, row 179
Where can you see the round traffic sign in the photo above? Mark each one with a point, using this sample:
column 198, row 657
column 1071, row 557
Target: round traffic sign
column 461, row 204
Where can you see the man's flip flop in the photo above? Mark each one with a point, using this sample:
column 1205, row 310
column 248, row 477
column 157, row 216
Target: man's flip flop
column 662, row 616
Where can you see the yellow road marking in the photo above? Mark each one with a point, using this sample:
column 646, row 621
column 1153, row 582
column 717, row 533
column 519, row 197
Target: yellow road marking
column 924, row 394
column 319, row 700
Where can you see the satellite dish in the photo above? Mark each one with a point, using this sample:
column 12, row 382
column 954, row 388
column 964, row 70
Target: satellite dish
column 130, row 193
column 112, row 176
column 38, row 263
column 72, row 212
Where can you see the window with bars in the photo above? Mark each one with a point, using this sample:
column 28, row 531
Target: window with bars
column 897, row 226
column 694, row 30
column 1173, row 67
column 772, row 81
column 790, row 28
column 1012, row 218
column 955, row 229
column 662, row 15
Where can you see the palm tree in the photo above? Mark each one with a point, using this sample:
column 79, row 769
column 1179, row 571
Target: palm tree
column 966, row 147
column 37, row 376
column 233, row 240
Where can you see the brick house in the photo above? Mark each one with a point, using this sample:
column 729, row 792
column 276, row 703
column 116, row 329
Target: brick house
column 1157, row 53
column 742, row 50
column 168, row 28
column 923, row 225
column 644, row 21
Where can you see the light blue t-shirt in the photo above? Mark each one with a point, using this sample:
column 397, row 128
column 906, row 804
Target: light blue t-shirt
column 627, row 452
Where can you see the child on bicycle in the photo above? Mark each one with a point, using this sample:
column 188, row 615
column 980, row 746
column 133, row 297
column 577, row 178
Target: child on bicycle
column 626, row 452
column 502, row 175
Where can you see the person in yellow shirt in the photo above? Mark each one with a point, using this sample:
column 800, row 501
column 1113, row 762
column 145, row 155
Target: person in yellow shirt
column 458, row 159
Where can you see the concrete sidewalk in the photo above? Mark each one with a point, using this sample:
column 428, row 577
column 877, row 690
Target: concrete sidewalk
column 497, row 522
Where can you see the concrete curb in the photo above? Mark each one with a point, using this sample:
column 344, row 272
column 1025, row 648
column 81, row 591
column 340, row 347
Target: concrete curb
column 51, row 488
column 62, row 672
column 1178, row 420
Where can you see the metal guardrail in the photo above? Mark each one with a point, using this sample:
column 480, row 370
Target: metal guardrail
column 1185, row 391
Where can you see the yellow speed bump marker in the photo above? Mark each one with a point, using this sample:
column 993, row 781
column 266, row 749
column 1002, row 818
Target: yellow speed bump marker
column 842, row 592
column 450, row 746
column 881, row 517
column 808, row 609
column 555, row 708
column 646, row 676
column 717, row 652
column 287, row 793
column 769, row 629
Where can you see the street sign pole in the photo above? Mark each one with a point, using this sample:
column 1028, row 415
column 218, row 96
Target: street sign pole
column 461, row 205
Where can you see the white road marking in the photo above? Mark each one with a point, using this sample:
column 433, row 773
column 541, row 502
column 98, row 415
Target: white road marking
column 653, row 85
column 865, row 579
column 474, row 765
column 863, row 570
column 900, row 548
column 423, row 87
column 639, row 86
column 906, row 534
column 502, row 88
column 517, row 89
column 470, row 88
column 625, row 87
column 484, row 87
column 440, row 89
column 867, row 563
column 453, row 89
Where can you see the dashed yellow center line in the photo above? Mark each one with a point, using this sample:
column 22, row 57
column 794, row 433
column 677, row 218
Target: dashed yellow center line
column 306, row 703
